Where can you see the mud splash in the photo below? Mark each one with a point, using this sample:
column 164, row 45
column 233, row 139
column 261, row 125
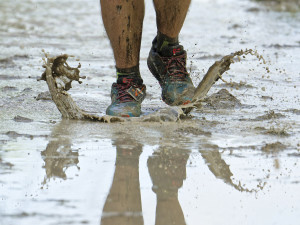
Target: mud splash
column 269, row 115
column 59, row 75
column 282, row 5
column 275, row 130
column 273, row 147
column 216, row 71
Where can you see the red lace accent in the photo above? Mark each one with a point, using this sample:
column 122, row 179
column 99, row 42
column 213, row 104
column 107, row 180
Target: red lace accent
column 123, row 95
column 176, row 66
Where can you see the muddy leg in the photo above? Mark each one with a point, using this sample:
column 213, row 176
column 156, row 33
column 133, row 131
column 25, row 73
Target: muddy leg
column 170, row 16
column 123, row 21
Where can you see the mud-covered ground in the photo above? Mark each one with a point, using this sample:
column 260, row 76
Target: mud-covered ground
column 234, row 161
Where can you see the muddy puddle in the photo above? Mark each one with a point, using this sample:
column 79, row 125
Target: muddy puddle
column 234, row 160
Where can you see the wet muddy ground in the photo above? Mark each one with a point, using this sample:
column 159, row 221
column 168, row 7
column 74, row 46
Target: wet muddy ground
column 233, row 161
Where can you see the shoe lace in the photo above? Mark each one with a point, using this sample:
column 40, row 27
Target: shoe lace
column 123, row 95
column 176, row 66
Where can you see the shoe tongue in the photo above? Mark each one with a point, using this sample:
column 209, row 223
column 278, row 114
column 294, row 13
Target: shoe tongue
column 129, row 80
column 171, row 50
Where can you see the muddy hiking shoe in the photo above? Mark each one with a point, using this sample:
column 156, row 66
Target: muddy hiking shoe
column 126, row 98
column 169, row 68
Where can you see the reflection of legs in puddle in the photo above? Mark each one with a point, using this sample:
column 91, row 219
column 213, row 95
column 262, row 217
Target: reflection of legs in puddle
column 123, row 22
column 167, row 168
column 123, row 203
column 58, row 155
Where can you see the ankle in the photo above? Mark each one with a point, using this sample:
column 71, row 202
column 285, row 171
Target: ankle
column 129, row 75
column 164, row 40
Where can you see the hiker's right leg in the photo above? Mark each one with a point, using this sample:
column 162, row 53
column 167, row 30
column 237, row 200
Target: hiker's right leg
column 123, row 21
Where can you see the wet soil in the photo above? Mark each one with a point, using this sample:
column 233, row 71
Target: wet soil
column 193, row 131
column 44, row 96
column 273, row 147
column 222, row 100
column 282, row 5
column 22, row 119
column 269, row 115
column 234, row 160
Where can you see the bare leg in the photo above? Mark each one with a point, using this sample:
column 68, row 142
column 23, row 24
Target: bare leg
column 170, row 16
column 123, row 21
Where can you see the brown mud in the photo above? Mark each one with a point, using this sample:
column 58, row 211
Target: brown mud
column 222, row 100
column 269, row 115
column 44, row 96
column 22, row 119
column 273, row 147
column 15, row 135
column 193, row 131
column 275, row 130
column 282, row 5
column 237, row 86
column 216, row 71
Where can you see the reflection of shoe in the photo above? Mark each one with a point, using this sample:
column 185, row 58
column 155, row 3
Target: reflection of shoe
column 126, row 98
column 170, row 71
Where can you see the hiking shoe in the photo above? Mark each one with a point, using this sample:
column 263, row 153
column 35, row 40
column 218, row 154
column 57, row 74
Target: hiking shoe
column 169, row 68
column 126, row 98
